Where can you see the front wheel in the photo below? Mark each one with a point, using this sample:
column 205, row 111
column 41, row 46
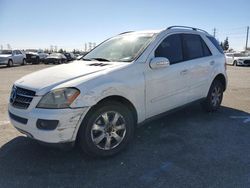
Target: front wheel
column 106, row 130
column 214, row 98
column 10, row 63
column 24, row 62
column 235, row 63
column 37, row 61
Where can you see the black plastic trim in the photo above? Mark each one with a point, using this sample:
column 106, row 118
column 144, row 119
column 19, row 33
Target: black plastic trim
column 18, row 118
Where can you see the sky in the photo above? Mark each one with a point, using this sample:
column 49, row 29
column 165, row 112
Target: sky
column 69, row 24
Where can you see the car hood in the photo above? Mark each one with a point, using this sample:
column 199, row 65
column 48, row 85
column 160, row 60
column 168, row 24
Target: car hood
column 32, row 53
column 48, row 78
column 244, row 58
column 53, row 57
column 5, row 55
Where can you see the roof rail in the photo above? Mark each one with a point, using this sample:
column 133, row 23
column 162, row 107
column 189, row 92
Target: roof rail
column 125, row 32
column 186, row 27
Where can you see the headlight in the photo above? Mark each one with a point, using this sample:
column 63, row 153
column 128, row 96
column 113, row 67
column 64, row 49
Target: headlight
column 59, row 98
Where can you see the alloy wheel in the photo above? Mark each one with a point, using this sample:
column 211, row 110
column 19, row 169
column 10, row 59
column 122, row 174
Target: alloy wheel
column 108, row 130
column 216, row 96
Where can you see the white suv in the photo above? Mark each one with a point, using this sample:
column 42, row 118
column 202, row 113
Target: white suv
column 126, row 80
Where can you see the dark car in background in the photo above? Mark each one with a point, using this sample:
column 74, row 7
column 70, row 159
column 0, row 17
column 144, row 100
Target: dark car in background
column 55, row 58
column 35, row 56
column 70, row 56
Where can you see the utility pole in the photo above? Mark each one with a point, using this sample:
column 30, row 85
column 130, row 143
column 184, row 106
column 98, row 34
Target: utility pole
column 214, row 31
column 247, row 37
column 85, row 47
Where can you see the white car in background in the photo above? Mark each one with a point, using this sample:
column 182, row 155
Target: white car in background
column 11, row 57
column 237, row 59
column 128, row 79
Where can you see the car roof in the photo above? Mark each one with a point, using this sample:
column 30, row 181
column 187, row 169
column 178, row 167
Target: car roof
column 172, row 30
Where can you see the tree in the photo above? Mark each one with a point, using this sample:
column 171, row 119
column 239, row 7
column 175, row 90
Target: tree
column 46, row 50
column 61, row 50
column 226, row 44
column 8, row 46
column 221, row 44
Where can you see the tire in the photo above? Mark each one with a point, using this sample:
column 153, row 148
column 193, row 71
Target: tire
column 10, row 63
column 99, row 139
column 214, row 98
column 235, row 63
column 37, row 60
column 24, row 62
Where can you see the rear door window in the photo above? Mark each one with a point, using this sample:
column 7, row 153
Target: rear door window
column 192, row 46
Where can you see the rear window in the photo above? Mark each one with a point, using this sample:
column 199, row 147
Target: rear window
column 215, row 43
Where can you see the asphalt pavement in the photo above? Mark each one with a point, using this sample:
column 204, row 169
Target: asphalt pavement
column 187, row 148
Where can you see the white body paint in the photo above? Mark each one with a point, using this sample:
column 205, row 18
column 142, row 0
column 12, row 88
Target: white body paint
column 151, row 91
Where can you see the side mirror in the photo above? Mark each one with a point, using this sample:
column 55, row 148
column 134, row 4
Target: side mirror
column 159, row 62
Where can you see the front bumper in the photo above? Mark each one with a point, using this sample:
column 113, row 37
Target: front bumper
column 69, row 121
column 4, row 62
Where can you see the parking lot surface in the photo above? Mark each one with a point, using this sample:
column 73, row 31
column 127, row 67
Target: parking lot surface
column 187, row 148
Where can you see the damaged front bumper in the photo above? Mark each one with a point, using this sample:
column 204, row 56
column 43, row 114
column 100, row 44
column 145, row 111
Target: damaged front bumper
column 48, row 125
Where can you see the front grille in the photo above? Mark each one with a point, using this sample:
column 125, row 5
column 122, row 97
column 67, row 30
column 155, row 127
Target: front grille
column 247, row 62
column 21, row 98
column 28, row 56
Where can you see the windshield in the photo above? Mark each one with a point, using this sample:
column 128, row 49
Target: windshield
column 5, row 52
column 123, row 48
column 240, row 55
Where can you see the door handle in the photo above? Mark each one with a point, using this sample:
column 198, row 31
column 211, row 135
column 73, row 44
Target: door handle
column 184, row 72
column 211, row 62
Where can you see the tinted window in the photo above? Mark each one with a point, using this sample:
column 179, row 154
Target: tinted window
column 215, row 43
column 192, row 46
column 171, row 48
column 206, row 51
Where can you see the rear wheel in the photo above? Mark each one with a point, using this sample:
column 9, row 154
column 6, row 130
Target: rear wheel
column 215, row 95
column 10, row 63
column 106, row 130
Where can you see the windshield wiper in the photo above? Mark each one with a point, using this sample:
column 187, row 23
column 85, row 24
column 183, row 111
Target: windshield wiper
column 85, row 59
column 99, row 59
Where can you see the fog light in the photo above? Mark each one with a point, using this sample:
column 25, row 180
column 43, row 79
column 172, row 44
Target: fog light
column 46, row 124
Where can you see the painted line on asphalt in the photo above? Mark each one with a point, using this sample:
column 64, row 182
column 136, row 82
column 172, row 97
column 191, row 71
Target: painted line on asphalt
column 4, row 122
column 154, row 174
column 246, row 118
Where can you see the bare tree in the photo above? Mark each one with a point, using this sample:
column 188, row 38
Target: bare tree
column 8, row 46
